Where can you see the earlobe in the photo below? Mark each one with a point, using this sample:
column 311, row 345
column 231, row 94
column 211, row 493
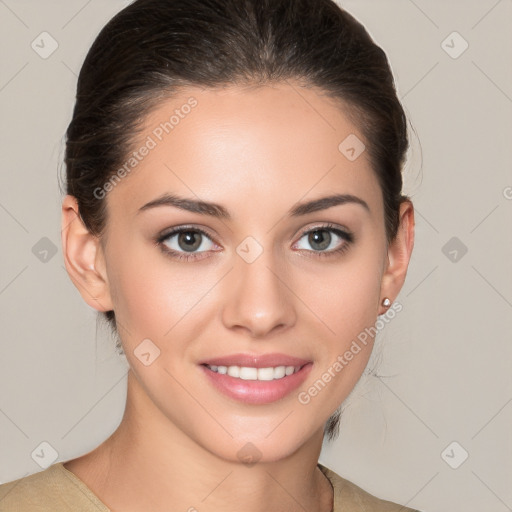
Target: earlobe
column 399, row 254
column 83, row 254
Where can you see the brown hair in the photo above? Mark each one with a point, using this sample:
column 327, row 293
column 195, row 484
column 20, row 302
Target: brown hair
column 153, row 47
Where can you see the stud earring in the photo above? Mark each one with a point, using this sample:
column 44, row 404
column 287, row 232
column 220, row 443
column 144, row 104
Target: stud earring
column 386, row 303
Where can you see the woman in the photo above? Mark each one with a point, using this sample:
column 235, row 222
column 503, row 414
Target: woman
column 234, row 209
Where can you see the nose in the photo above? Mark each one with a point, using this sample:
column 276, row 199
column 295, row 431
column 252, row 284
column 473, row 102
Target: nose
column 258, row 297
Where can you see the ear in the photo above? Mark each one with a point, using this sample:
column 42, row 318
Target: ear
column 84, row 258
column 399, row 255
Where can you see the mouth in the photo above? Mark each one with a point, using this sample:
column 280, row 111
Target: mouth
column 254, row 380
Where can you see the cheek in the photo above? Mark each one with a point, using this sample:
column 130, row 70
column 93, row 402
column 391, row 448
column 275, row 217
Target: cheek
column 345, row 300
column 345, row 296
column 154, row 295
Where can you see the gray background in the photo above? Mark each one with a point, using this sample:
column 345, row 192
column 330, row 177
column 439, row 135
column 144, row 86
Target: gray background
column 443, row 364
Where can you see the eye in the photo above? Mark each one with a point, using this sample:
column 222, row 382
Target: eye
column 185, row 243
column 325, row 240
column 188, row 243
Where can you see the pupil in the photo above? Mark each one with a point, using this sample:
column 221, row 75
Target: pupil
column 188, row 237
column 323, row 240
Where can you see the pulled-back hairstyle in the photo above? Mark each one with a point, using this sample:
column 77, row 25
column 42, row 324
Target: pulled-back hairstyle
column 152, row 48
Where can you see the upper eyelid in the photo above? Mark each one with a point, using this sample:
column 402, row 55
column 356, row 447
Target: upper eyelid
column 180, row 229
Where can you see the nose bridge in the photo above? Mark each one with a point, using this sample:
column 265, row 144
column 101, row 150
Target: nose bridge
column 257, row 298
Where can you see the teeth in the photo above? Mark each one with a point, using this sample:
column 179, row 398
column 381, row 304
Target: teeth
column 246, row 373
column 249, row 373
column 265, row 373
column 279, row 372
column 234, row 371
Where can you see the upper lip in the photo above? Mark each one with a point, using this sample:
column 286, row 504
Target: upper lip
column 256, row 360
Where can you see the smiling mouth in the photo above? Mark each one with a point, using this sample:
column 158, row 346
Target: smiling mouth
column 251, row 373
column 257, row 385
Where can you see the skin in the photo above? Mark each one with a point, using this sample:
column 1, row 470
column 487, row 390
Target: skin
column 257, row 152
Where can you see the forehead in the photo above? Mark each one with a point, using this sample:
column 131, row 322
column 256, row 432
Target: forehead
column 246, row 147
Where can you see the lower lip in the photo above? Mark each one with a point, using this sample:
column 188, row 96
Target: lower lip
column 257, row 391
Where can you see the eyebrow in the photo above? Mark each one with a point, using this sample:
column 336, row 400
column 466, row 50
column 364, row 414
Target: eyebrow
column 218, row 211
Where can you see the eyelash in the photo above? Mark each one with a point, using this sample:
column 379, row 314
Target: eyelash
column 346, row 235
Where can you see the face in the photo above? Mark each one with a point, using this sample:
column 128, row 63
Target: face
column 260, row 274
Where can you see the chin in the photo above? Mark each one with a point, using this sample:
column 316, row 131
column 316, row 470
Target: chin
column 262, row 447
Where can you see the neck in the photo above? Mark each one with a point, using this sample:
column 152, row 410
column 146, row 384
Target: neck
column 150, row 464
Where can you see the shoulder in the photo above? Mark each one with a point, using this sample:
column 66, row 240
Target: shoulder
column 348, row 497
column 54, row 489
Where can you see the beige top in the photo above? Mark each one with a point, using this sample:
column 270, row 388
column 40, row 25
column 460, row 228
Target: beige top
column 57, row 489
